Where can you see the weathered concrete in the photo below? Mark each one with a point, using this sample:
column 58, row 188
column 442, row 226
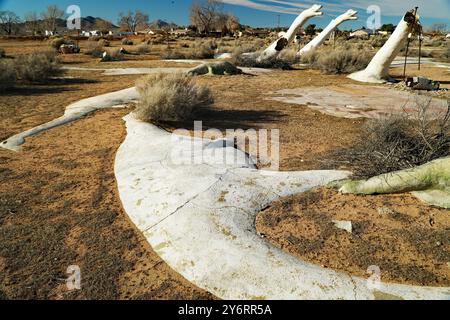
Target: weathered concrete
column 215, row 68
column 429, row 182
column 199, row 216
column 378, row 69
column 276, row 47
column 356, row 101
column 74, row 112
column 325, row 34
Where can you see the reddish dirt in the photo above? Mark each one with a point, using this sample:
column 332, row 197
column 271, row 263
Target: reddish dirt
column 409, row 241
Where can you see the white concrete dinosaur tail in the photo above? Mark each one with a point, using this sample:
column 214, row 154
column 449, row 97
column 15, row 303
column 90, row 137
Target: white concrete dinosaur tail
column 276, row 47
column 325, row 34
column 378, row 69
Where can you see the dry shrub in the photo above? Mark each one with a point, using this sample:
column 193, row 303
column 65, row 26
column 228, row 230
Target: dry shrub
column 56, row 43
column 38, row 66
column 2, row 53
column 201, row 50
column 170, row 97
column 103, row 43
column 127, row 42
column 251, row 61
column 399, row 142
column 310, row 57
column 112, row 55
column 94, row 49
column 7, row 74
column 343, row 61
column 143, row 48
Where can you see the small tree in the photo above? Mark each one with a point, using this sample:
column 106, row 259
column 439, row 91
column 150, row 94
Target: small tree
column 439, row 28
column 310, row 30
column 205, row 14
column 8, row 21
column 132, row 21
column 32, row 22
column 389, row 27
column 51, row 17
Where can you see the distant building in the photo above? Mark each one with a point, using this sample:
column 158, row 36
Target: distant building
column 257, row 33
column 382, row 33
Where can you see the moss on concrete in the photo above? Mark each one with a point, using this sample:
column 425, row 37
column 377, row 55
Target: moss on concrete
column 216, row 68
column 429, row 182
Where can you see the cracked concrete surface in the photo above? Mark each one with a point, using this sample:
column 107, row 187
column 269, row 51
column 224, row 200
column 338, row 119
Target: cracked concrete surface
column 197, row 204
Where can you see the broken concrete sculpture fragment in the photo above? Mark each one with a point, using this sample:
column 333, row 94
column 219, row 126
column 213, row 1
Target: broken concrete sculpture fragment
column 216, row 68
column 325, row 34
column 429, row 182
column 378, row 69
column 276, row 47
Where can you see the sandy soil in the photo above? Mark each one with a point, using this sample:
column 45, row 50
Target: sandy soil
column 58, row 198
column 406, row 239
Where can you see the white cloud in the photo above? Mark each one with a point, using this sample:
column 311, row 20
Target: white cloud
column 439, row 9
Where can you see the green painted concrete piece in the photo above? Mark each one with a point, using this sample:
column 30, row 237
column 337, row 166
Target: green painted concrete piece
column 216, row 68
column 429, row 182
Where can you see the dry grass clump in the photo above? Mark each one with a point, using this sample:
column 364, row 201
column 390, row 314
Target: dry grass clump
column 56, row 43
column 94, row 49
column 112, row 55
column 2, row 53
column 7, row 74
column 103, row 43
column 251, row 61
column 201, row 50
column 399, row 142
column 127, row 42
column 341, row 61
column 170, row 97
column 143, row 48
column 38, row 66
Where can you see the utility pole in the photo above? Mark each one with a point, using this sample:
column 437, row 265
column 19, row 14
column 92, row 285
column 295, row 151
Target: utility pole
column 279, row 21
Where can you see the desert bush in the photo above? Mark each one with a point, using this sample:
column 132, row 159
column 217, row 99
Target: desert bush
column 56, row 43
column 310, row 57
column 378, row 41
column 173, row 55
column 127, row 42
column 103, row 43
column 343, row 61
column 170, row 97
column 2, row 53
column 143, row 48
column 251, row 61
column 399, row 142
column 112, row 55
column 7, row 74
column 38, row 66
column 94, row 49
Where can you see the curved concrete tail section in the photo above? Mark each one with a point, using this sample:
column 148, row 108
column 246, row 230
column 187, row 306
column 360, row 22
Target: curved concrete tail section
column 74, row 112
column 195, row 200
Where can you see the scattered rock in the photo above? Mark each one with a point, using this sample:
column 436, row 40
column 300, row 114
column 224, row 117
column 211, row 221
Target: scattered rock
column 344, row 225
column 385, row 211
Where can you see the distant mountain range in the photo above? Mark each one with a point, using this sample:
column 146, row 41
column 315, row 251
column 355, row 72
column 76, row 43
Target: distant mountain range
column 161, row 24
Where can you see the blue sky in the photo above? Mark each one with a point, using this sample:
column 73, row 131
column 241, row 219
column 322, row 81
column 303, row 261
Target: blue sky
column 251, row 12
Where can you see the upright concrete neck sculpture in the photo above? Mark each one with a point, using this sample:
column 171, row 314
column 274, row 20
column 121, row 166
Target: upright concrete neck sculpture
column 378, row 69
column 285, row 38
column 325, row 34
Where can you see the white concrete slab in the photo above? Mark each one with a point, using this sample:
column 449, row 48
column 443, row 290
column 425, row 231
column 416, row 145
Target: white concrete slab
column 199, row 216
